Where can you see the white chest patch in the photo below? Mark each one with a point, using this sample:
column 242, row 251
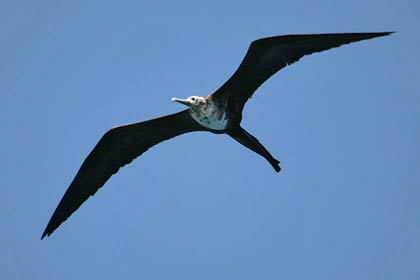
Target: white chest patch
column 209, row 117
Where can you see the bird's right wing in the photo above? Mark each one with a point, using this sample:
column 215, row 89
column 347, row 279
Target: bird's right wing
column 118, row 147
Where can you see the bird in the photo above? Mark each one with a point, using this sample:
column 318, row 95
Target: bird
column 219, row 113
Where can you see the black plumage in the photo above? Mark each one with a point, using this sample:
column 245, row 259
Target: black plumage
column 121, row 145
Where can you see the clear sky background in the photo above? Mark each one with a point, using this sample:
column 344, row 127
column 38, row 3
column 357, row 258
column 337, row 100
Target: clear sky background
column 343, row 123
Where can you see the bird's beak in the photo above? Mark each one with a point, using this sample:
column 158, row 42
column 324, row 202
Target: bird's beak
column 182, row 101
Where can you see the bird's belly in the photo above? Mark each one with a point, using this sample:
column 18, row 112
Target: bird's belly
column 210, row 120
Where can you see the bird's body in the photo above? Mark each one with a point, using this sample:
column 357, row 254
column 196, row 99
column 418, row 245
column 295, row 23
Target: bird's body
column 219, row 112
column 206, row 112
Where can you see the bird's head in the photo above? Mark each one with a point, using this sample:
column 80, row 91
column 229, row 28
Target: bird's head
column 193, row 101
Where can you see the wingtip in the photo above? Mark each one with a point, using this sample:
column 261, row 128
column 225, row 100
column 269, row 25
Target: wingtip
column 48, row 231
column 387, row 33
column 44, row 234
column 380, row 34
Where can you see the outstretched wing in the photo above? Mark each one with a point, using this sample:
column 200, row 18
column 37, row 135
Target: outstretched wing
column 268, row 55
column 118, row 147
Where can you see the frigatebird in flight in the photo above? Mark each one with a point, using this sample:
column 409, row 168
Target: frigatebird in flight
column 219, row 112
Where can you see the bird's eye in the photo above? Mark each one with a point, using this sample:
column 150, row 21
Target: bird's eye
column 192, row 98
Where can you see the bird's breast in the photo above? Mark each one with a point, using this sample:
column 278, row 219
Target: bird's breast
column 210, row 117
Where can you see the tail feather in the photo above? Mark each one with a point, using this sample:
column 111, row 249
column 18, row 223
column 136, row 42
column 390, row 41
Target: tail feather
column 252, row 143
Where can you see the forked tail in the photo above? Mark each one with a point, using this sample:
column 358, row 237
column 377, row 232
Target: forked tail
column 249, row 141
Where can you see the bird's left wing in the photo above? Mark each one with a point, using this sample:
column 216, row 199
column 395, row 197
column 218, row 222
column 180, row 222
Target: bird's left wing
column 266, row 56
column 118, row 147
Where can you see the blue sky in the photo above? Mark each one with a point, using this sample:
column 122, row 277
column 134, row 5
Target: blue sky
column 344, row 124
